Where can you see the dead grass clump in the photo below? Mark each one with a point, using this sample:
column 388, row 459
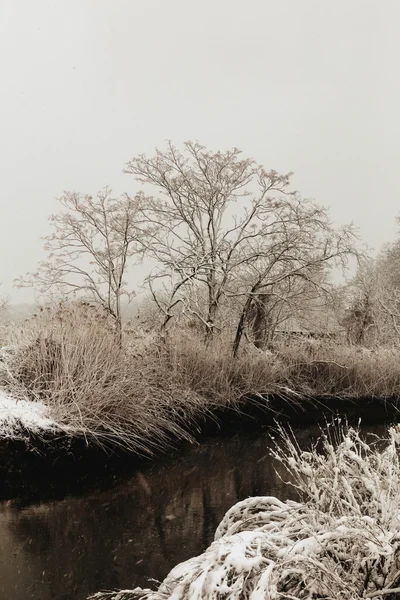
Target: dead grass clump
column 342, row 371
column 212, row 373
column 69, row 359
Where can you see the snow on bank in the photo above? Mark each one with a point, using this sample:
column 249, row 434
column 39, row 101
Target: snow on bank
column 23, row 415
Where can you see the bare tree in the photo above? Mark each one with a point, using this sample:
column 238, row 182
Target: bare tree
column 290, row 261
column 379, row 279
column 4, row 303
column 291, row 303
column 360, row 304
column 371, row 301
column 89, row 250
column 220, row 220
column 204, row 218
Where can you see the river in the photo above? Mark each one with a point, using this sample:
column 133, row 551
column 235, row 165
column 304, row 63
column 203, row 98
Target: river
column 123, row 530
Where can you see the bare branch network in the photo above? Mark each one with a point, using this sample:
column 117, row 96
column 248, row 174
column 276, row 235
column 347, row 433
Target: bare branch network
column 220, row 229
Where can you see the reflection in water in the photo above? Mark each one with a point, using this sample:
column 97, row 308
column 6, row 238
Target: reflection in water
column 138, row 529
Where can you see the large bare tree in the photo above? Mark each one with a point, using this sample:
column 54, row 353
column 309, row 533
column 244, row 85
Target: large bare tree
column 228, row 224
column 204, row 216
column 89, row 250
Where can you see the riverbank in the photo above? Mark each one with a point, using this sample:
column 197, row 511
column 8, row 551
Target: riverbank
column 149, row 395
column 32, row 460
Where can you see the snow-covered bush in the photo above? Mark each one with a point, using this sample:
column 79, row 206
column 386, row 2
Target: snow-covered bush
column 340, row 541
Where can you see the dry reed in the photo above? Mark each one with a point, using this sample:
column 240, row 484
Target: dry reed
column 150, row 391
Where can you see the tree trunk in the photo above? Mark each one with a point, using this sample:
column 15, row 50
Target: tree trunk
column 241, row 325
column 212, row 307
column 118, row 320
column 211, row 317
column 261, row 322
column 258, row 324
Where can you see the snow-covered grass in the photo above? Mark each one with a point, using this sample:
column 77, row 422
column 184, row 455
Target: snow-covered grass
column 340, row 541
column 19, row 417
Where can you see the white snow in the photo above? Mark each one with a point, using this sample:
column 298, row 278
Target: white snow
column 18, row 414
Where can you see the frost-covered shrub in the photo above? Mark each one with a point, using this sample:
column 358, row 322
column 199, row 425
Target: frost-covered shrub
column 341, row 541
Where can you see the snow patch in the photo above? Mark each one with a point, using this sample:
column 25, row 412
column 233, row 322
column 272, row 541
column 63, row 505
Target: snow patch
column 17, row 415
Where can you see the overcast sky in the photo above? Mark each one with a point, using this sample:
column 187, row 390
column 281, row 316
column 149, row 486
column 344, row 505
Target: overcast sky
column 309, row 86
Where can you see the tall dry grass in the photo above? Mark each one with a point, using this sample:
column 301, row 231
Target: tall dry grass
column 212, row 373
column 68, row 357
column 297, row 371
column 328, row 369
column 150, row 391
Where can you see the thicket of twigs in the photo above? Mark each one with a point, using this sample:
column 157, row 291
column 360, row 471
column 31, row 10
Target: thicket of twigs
column 341, row 540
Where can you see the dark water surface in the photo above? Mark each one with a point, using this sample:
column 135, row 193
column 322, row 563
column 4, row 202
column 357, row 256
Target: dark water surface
column 137, row 527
